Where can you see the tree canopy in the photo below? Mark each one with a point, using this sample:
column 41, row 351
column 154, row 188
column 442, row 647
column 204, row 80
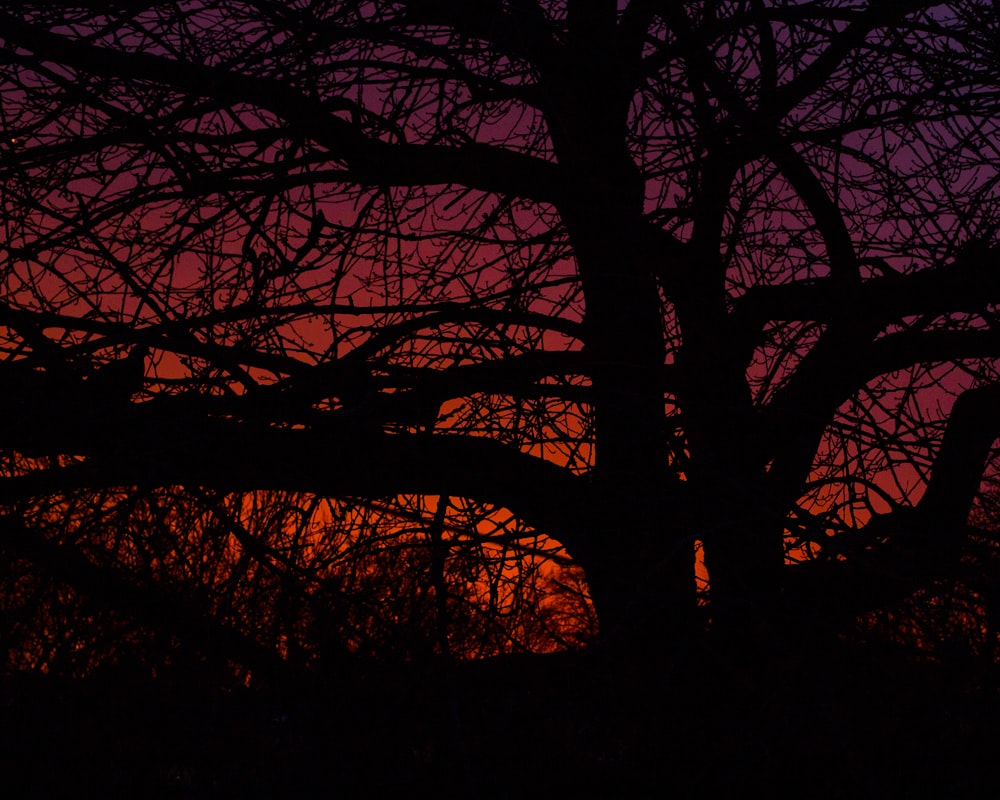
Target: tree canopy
column 433, row 326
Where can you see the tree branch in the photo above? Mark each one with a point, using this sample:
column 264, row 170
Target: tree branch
column 147, row 444
column 372, row 162
column 969, row 283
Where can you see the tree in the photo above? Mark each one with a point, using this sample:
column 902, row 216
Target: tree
column 637, row 279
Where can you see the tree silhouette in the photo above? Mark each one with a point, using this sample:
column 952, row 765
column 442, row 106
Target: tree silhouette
column 437, row 303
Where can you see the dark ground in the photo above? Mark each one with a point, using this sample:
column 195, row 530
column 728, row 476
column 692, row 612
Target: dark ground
column 854, row 722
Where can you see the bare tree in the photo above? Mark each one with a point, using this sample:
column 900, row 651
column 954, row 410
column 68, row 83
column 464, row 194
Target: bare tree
column 634, row 279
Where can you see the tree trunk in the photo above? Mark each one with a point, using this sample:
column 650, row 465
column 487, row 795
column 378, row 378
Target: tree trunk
column 640, row 564
column 641, row 568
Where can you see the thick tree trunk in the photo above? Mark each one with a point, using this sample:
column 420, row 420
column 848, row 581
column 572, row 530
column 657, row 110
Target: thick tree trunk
column 642, row 583
column 741, row 529
column 744, row 558
column 641, row 565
